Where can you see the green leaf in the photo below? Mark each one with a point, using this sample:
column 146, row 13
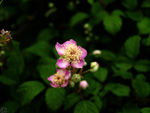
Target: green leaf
column 132, row 46
column 118, row 12
column 47, row 70
column 143, row 26
column 141, row 77
column 85, row 107
column 96, row 8
column 112, row 23
column 135, row 15
column 71, row 100
column 123, row 63
column 142, row 65
column 118, row 89
column 130, row 108
column 47, row 34
column 41, row 49
column 97, row 101
column 54, row 98
column 124, row 74
column 77, row 18
column 101, row 74
column 142, row 88
column 91, row 2
column 130, row 4
column 12, row 106
column 7, row 81
column 146, row 4
column 145, row 110
column 146, row 41
column 107, row 55
column 106, row 2
column 29, row 90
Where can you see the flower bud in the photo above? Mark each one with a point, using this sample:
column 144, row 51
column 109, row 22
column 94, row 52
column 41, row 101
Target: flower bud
column 2, row 52
column 1, row 64
column 76, row 78
column 83, row 84
column 94, row 66
column 96, row 52
column 85, row 63
column 71, row 84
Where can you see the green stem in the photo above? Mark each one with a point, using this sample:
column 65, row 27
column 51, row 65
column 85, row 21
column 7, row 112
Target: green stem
column 1, row 2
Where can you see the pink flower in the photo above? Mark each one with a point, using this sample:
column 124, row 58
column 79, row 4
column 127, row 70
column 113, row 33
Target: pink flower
column 60, row 79
column 71, row 54
column 83, row 84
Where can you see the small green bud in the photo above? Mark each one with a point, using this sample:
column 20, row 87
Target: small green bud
column 86, row 25
column 1, row 64
column 2, row 52
column 94, row 66
column 76, row 78
column 51, row 5
column 71, row 84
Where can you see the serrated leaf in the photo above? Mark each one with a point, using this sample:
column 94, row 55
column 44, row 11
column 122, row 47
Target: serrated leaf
column 7, row 81
column 130, row 4
column 54, row 98
column 78, row 17
column 132, row 46
column 107, row 55
column 143, row 26
column 118, row 89
column 118, row 13
column 135, row 15
column 142, row 88
column 85, row 107
column 40, row 48
column 123, row 63
column 124, row 74
column 101, row 74
column 142, row 65
column 71, row 100
column 145, row 110
column 112, row 23
column 12, row 106
column 29, row 90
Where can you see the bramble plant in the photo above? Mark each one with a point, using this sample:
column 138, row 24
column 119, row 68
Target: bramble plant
column 71, row 61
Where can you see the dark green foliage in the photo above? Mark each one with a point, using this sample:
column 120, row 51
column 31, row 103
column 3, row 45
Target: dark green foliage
column 119, row 28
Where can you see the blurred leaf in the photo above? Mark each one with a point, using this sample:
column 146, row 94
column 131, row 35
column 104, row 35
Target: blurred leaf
column 118, row 12
column 54, row 98
column 124, row 74
column 130, row 108
column 146, row 4
column 78, row 17
column 123, row 63
column 135, row 15
column 41, row 49
column 29, row 90
column 85, row 107
column 108, row 1
column 12, row 106
column 7, row 81
column 141, row 77
column 91, row 2
column 130, row 4
column 118, row 89
column 143, row 26
column 98, row 103
column 96, row 8
column 71, row 100
column 47, row 34
column 112, row 23
column 107, row 55
column 145, row 110
column 100, row 16
column 101, row 74
column 132, row 46
column 141, row 87
column 142, row 65
column 146, row 41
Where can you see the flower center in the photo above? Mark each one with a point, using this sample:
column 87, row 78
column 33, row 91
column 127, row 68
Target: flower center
column 72, row 53
column 59, row 79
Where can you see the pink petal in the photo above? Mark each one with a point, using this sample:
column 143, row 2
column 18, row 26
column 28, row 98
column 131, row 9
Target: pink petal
column 50, row 78
column 60, row 49
column 69, row 42
column 54, row 85
column 84, row 52
column 61, row 71
column 68, row 75
column 62, row 63
column 65, row 84
column 78, row 64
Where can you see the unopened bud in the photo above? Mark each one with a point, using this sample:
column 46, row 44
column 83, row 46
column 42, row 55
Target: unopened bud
column 2, row 52
column 85, row 63
column 1, row 64
column 86, row 25
column 96, row 52
column 76, row 78
column 71, row 84
column 51, row 5
column 94, row 66
column 83, row 84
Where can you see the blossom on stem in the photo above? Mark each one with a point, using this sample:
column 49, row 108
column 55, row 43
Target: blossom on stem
column 94, row 66
column 70, row 54
column 60, row 79
column 83, row 84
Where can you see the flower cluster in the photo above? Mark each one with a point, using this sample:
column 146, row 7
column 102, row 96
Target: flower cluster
column 5, row 36
column 70, row 65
